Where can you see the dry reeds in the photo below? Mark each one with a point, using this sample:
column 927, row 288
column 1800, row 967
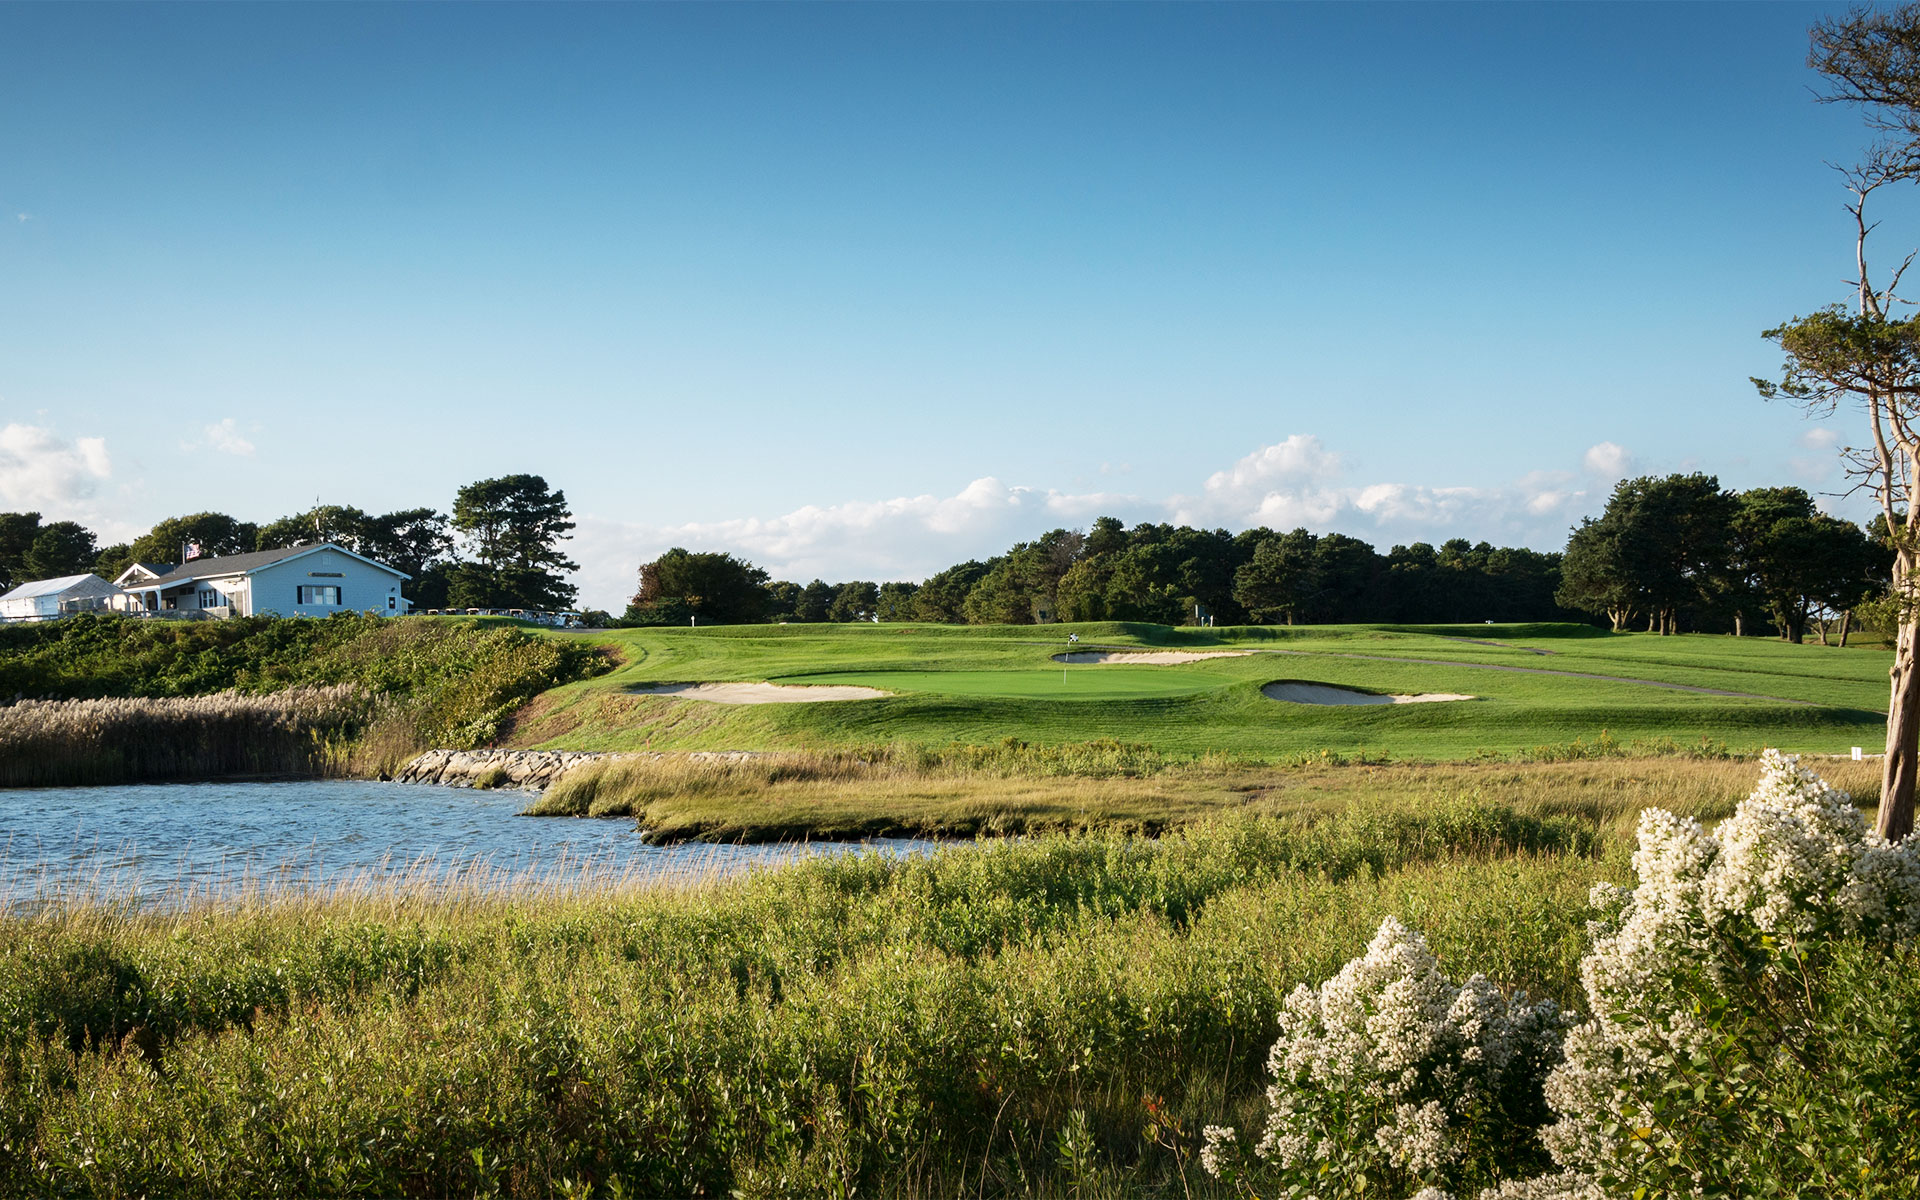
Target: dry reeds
column 963, row 792
column 301, row 731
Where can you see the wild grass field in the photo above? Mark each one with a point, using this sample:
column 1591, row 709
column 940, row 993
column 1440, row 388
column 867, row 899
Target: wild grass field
column 1057, row 1015
column 1060, row 1016
column 1054, row 1017
column 1533, row 686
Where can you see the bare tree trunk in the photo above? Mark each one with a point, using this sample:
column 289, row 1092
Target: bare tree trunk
column 1821, row 623
column 1895, row 820
column 1846, row 619
column 1738, row 628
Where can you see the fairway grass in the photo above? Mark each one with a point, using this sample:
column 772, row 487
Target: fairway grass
column 1548, row 685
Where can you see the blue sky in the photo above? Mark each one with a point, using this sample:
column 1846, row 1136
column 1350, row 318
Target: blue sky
column 863, row 290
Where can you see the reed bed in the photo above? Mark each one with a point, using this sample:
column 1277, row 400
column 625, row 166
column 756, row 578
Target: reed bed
column 1055, row 1016
column 300, row 731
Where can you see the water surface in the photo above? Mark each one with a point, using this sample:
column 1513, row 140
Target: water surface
column 155, row 841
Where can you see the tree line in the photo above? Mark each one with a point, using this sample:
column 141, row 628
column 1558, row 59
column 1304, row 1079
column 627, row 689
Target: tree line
column 1680, row 551
column 1167, row 574
column 498, row 548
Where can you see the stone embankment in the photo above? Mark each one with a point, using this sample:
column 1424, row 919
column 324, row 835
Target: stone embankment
column 534, row 770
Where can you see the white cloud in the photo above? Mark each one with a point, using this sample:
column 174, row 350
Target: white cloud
column 23, row 218
column 41, row 470
column 224, row 436
column 904, row 537
column 1285, row 484
column 1292, row 483
column 1609, row 460
column 1822, row 461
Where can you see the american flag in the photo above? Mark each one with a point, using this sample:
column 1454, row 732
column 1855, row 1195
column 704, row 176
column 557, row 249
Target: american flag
column 193, row 552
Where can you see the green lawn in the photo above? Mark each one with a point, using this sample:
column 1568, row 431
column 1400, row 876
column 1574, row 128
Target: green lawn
column 984, row 684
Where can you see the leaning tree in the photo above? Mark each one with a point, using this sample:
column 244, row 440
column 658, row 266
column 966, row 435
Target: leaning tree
column 1869, row 358
column 1863, row 355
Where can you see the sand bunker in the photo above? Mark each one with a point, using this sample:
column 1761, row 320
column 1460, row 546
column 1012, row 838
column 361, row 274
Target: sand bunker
column 756, row 693
column 1159, row 657
column 1321, row 693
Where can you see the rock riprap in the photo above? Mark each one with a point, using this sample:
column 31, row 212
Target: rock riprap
column 534, row 770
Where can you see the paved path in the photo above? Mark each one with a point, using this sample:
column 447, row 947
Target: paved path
column 1498, row 645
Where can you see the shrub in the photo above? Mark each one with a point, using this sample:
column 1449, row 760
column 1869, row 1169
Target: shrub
column 1722, row 991
column 1392, row 1076
column 1754, row 1021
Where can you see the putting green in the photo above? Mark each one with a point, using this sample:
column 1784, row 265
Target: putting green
column 1057, row 683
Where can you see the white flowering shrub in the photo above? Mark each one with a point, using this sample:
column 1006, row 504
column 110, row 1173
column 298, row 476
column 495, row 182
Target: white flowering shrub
column 1391, row 1080
column 1723, row 1032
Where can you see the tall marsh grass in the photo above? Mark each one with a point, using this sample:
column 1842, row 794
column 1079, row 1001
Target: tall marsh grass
column 1052, row 1017
column 300, row 731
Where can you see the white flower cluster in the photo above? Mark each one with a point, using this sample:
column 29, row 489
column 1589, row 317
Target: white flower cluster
column 1794, row 865
column 1390, row 1048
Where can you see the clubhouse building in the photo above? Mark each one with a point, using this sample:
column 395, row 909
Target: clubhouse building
column 297, row 581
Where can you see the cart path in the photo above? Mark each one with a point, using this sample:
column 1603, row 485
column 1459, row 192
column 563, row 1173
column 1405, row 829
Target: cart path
column 1498, row 645
column 1442, row 662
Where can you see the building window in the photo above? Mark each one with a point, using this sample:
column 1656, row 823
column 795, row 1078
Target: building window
column 316, row 594
column 211, row 599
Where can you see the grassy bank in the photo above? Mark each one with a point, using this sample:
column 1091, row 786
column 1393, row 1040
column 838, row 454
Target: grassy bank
column 1058, row 1016
column 123, row 700
column 966, row 791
